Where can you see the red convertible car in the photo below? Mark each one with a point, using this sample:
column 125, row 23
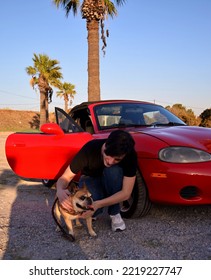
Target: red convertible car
column 174, row 160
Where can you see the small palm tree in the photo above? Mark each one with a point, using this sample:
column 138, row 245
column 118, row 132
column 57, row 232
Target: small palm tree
column 95, row 12
column 66, row 91
column 45, row 73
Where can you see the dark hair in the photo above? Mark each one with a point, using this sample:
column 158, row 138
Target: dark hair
column 119, row 143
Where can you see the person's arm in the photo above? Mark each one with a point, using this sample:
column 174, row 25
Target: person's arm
column 124, row 194
column 62, row 188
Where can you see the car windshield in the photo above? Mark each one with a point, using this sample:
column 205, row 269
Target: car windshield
column 133, row 114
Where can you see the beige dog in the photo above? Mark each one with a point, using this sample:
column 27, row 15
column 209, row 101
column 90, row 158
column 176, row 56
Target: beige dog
column 81, row 201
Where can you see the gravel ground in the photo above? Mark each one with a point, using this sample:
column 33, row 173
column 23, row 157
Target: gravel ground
column 27, row 228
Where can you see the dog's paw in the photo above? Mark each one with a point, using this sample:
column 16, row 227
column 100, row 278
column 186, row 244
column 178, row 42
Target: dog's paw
column 57, row 229
column 93, row 233
column 71, row 233
column 78, row 223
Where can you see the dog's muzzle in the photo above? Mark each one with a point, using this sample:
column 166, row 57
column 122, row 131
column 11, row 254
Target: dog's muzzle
column 88, row 206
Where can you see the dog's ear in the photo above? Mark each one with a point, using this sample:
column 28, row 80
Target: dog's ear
column 84, row 188
column 73, row 188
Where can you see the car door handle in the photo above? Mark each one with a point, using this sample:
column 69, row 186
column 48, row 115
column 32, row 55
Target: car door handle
column 19, row 145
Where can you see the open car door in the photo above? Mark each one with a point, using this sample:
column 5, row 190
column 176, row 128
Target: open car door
column 48, row 153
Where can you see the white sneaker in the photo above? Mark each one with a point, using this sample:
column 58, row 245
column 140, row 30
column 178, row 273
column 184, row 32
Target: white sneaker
column 117, row 224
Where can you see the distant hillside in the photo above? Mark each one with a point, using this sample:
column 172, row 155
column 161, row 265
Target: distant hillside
column 15, row 120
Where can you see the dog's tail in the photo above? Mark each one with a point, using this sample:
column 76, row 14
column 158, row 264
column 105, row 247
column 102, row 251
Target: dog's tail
column 65, row 233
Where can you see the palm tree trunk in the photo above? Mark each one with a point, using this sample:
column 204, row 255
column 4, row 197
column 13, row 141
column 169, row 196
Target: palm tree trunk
column 93, row 61
column 66, row 103
column 43, row 88
column 46, row 108
column 43, row 108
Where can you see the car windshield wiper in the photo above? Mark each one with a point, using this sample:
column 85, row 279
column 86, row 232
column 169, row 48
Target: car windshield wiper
column 166, row 124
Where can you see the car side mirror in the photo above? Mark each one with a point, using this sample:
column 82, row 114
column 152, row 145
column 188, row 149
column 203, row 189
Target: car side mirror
column 52, row 128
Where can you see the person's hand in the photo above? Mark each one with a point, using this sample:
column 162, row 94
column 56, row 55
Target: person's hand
column 63, row 196
column 89, row 213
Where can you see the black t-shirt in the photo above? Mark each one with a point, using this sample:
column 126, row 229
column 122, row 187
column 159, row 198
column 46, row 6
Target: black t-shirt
column 89, row 160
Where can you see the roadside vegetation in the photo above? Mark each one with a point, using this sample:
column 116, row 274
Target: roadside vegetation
column 187, row 115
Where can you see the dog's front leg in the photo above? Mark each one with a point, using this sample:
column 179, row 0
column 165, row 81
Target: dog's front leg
column 69, row 225
column 89, row 226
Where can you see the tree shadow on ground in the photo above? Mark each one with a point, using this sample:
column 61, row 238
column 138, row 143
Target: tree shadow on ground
column 9, row 178
column 31, row 229
column 35, row 122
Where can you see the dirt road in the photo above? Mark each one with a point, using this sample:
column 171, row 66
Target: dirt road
column 27, row 229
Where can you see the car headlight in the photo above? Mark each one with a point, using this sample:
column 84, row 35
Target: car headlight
column 183, row 155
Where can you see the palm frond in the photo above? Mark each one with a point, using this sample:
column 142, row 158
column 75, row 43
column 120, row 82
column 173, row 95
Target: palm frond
column 68, row 5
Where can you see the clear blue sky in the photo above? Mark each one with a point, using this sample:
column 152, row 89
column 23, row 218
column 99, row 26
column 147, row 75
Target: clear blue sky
column 158, row 51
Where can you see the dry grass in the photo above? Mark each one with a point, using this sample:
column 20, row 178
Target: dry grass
column 15, row 120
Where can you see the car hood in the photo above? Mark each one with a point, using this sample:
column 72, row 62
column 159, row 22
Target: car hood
column 190, row 136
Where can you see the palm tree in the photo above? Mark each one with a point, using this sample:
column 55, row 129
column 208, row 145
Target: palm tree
column 95, row 12
column 66, row 91
column 45, row 73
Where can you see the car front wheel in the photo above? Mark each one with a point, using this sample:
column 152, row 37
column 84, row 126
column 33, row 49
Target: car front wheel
column 139, row 204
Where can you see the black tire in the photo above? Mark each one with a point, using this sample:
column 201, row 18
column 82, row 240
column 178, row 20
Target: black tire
column 139, row 204
column 48, row 183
